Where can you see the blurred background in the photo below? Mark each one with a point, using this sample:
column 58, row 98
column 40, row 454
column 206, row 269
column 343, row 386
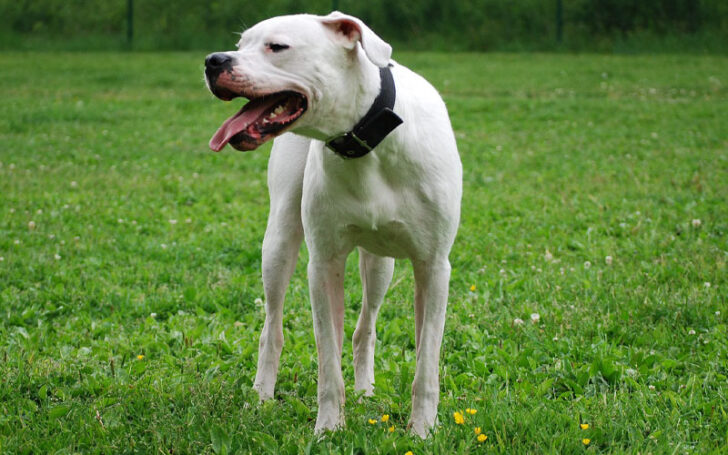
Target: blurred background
column 621, row 26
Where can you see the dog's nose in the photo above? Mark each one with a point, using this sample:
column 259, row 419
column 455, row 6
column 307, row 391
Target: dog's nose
column 218, row 61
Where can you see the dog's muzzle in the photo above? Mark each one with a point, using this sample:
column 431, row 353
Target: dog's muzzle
column 265, row 116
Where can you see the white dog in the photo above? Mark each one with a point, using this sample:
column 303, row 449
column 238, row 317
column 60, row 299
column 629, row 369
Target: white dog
column 372, row 164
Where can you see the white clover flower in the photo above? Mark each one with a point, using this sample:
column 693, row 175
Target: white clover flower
column 535, row 317
column 120, row 220
column 74, row 184
column 188, row 220
column 518, row 321
column 172, row 221
column 31, row 225
column 2, row 259
column 608, row 260
column 258, row 301
column 706, row 284
column 547, row 256
column 691, row 332
column 57, row 257
column 587, row 264
column 696, row 223
column 164, row 246
column 651, row 387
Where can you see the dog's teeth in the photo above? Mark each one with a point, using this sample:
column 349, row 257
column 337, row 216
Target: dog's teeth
column 279, row 110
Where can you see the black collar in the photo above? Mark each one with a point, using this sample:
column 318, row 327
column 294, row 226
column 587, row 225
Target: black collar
column 378, row 122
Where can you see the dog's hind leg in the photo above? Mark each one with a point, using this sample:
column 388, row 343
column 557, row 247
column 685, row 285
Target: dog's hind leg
column 376, row 274
column 281, row 244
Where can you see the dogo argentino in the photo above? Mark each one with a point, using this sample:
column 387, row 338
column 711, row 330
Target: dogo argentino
column 373, row 164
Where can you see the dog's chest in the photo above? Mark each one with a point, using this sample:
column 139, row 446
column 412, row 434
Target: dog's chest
column 371, row 207
column 379, row 220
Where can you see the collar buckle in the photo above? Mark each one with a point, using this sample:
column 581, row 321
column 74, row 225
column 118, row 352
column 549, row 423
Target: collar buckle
column 349, row 145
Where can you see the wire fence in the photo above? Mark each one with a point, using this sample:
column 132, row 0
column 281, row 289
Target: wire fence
column 428, row 24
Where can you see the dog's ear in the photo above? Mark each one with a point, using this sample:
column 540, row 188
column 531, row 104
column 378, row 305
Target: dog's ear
column 352, row 30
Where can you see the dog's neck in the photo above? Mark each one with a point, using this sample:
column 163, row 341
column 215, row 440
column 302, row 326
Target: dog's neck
column 374, row 127
column 361, row 77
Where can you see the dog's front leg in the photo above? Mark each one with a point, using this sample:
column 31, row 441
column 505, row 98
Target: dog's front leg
column 280, row 251
column 326, row 283
column 282, row 241
column 376, row 274
column 431, row 290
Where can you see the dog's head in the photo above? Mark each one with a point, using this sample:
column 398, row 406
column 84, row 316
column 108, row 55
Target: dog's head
column 299, row 72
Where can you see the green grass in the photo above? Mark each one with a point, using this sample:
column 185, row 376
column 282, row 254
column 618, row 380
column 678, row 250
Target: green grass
column 568, row 160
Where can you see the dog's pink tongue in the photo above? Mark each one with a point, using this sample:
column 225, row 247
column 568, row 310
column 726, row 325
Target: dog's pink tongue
column 235, row 124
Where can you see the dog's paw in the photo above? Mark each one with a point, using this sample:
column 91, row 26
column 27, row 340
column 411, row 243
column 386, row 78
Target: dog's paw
column 328, row 421
column 264, row 393
column 365, row 390
column 421, row 428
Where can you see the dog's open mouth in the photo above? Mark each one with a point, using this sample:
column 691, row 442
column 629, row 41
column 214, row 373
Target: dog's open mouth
column 259, row 120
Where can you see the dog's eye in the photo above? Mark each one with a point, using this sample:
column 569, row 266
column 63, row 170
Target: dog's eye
column 275, row 47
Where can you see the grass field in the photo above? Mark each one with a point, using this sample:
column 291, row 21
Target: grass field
column 595, row 196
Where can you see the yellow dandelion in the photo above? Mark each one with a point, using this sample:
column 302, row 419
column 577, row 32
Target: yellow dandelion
column 471, row 411
column 584, row 426
column 140, row 357
column 472, row 288
column 458, row 416
column 373, row 421
column 477, row 430
column 586, row 441
column 391, row 429
column 409, row 452
column 482, row 438
column 385, row 418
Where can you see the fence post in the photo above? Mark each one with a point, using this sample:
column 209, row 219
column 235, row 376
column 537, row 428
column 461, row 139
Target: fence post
column 559, row 21
column 129, row 22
